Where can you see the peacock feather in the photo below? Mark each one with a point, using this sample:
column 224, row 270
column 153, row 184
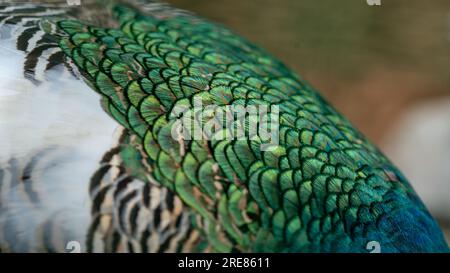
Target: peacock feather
column 111, row 176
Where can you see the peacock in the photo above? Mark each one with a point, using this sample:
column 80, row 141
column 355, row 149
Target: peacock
column 88, row 154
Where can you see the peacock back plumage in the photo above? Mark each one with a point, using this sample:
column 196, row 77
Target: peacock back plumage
column 322, row 188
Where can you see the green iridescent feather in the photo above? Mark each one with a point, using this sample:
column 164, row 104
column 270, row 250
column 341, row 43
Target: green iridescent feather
column 324, row 189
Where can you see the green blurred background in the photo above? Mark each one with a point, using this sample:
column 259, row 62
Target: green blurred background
column 375, row 64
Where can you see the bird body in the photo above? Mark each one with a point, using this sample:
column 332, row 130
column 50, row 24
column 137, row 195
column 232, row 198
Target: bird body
column 111, row 176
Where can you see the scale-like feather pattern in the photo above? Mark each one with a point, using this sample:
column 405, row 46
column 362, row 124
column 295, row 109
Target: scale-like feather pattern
column 324, row 188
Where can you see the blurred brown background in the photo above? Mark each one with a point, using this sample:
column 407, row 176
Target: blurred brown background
column 375, row 64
